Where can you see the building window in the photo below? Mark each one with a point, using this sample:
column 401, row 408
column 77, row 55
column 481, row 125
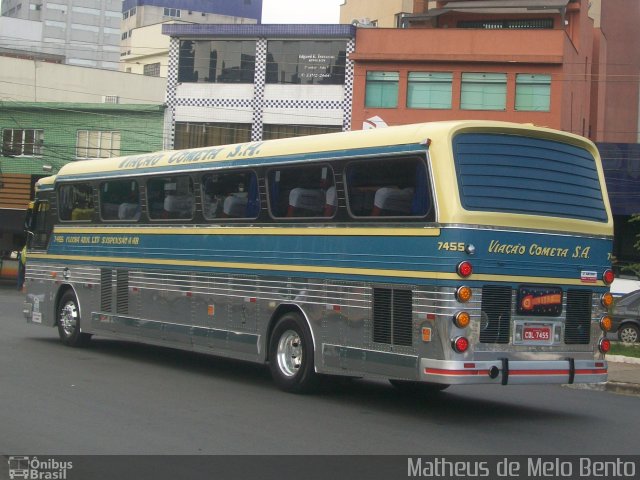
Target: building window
column 382, row 89
column 429, row 90
column 192, row 135
column 22, row 142
column 124, row 35
column 270, row 132
column 152, row 69
column 171, row 12
column 310, row 62
column 97, row 144
column 125, row 15
column 533, row 92
column 483, row 91
column 217, row 61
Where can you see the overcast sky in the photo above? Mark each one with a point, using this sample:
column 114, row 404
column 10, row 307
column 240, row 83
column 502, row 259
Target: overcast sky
column 301, row 11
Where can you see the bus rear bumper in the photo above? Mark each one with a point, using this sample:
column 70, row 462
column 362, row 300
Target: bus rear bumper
column 513, row 372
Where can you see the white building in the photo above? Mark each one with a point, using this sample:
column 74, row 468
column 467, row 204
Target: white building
column 236, row 83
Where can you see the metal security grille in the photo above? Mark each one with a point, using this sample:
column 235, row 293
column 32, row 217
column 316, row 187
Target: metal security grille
column 496, row 314
column 106, row 289
column 535, row 23
column 122, row 292
column 392, row 316
column 577, row 329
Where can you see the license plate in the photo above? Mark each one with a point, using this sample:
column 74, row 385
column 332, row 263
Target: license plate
column 536, row 334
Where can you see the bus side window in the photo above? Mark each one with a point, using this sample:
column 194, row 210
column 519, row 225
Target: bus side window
column 230, row 195
column 388, row 188
column 302, row 192
column 120, row 200
column 170, row 198
column 75, row 202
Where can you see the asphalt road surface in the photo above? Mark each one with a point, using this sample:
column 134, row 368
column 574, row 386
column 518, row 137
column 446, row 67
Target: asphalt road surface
column 125, row 398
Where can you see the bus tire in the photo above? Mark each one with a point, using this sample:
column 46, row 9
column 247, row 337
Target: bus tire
column 291, row 355
column 411, row 387
column 68, row 320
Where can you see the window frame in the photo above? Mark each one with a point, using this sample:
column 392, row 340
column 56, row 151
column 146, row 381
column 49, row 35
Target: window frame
column 89, row 211
column 101, row 203
column 113, row 152
column 36, row 144
column 168, row 175
column 434, row 83
column 370, row 81
column 475, row 79
column 430, row 211
column 249, row 171
column 297, row 167
column 541, row 80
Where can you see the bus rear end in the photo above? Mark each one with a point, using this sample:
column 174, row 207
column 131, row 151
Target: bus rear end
column 525, row 249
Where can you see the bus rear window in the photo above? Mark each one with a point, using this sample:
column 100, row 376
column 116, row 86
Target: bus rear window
column 531, row 176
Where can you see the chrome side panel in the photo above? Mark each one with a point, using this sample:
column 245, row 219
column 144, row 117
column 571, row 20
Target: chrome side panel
column 230, row 315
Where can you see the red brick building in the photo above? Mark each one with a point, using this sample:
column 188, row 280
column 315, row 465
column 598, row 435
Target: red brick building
column 537, row 61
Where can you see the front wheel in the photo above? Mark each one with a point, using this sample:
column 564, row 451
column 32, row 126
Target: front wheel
column 291, row 355
column 68, row 318
column 629, row 333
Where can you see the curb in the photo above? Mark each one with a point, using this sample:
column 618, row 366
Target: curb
column 622, row 359
column 622, row 388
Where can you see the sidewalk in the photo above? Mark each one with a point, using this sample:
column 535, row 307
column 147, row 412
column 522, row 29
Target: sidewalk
column 624, row 375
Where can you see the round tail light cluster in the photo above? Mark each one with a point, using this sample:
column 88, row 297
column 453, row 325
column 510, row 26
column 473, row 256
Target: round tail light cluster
column 608, row 277
column 460, row 344
column 604, row 345
column 464, row 269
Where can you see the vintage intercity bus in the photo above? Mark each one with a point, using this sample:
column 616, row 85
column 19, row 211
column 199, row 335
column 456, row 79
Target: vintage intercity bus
column 466, row 252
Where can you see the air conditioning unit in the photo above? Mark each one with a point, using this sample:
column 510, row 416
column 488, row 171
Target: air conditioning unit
column 110, row 99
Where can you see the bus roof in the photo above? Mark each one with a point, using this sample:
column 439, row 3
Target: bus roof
column 437, row 137
column 342, row 144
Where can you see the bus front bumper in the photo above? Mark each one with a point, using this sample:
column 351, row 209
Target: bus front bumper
column 513, row 372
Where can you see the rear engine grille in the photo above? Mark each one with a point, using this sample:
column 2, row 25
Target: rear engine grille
column 496, row 314
column 577, row 328
column 392, row 316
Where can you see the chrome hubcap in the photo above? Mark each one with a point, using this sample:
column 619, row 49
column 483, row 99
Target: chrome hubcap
column 289, row 353
column 69, row 318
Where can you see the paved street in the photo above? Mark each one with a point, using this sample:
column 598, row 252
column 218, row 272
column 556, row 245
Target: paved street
column 123, row 398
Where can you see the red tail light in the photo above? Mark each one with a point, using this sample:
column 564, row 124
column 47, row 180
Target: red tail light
column 604, row 345
column 460, row 344
column 608, row 277
column 464, row 269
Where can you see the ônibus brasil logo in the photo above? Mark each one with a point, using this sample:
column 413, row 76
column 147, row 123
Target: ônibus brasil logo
column 37, row 469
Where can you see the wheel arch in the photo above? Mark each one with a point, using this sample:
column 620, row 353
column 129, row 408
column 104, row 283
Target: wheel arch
column 280, row 311
column 64, row 288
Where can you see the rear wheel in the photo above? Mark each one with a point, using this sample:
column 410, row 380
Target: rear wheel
column 629, row 333
column 291, row 355
column 411, row 387
column 68, row 318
